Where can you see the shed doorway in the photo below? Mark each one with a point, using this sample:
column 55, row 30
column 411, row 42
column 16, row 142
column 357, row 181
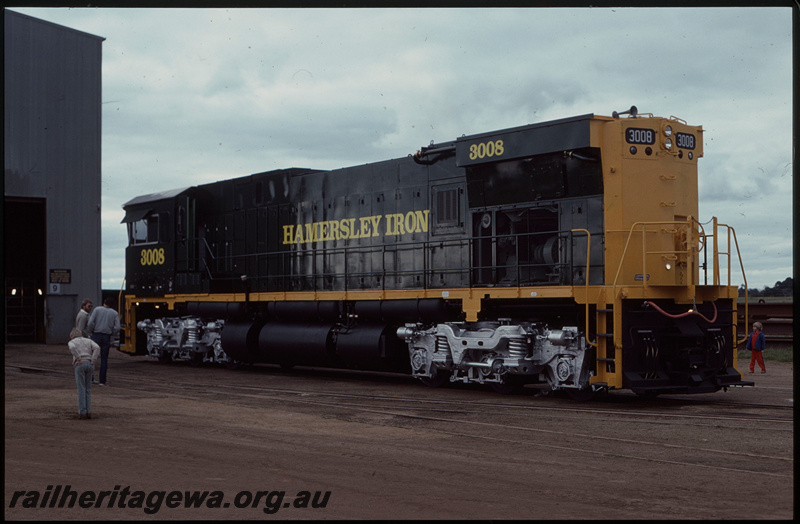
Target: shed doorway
column 25, row 241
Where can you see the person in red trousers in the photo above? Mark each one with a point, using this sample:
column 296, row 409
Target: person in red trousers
column 756, row 344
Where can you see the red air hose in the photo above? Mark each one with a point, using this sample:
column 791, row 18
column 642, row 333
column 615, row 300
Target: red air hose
column 686, row 314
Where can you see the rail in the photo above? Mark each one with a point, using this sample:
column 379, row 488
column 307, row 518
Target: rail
column 644, row 225
column 689, row 252
column 588, row 261
column 741, row 266
column 299, row 269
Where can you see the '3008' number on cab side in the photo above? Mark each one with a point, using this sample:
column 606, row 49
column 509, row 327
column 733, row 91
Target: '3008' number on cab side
column 152, row 257
column 486, row 149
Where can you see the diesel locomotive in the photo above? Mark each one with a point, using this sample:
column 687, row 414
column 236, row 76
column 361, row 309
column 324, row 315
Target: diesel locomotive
column 566, row 253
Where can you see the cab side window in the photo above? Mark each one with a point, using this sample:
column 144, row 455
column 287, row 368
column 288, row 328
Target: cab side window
column 150, row 230
column 138, row 231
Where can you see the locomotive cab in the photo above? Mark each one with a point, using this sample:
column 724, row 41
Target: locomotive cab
column 151, row 222
column 532, row 192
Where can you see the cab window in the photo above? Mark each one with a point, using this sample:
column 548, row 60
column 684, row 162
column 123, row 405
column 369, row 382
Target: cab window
column 150, row 230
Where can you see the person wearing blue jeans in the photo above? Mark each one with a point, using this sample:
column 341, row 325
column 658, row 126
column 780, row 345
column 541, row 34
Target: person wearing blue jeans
column 85, row 353
column 103, row 325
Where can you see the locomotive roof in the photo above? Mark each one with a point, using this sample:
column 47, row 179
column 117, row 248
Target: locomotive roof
column 144, row 199
column 153, row 197
column 547, row 123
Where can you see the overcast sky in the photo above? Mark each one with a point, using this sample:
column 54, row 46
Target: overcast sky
column 192, row 96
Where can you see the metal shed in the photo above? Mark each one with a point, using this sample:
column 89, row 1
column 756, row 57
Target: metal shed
column 52, row 176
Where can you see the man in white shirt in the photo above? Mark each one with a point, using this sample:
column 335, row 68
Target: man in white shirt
column 103, row 325
column 85, row 353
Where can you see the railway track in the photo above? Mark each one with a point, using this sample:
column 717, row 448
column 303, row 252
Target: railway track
column 611, row 404
column 616, row 425
column 388, row 447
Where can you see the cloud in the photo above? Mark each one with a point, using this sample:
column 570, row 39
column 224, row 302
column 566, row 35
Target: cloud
column 197, row 95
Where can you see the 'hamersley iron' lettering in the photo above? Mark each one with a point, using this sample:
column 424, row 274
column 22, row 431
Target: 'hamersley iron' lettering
column 347, row 228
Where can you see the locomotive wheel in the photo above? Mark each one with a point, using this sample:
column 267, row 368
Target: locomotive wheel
column 580, row 395
column 509, row 386
column 648, row 395
column 196, row 360
column 232, row 364
column 438, row 380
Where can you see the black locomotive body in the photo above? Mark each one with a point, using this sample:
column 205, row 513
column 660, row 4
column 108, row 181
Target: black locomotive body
column 503, row 258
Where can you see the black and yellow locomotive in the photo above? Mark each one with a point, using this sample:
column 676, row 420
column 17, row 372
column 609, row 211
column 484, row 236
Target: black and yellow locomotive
column 567, row 252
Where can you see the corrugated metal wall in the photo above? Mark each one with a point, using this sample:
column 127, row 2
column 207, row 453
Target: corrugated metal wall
column 53, row 151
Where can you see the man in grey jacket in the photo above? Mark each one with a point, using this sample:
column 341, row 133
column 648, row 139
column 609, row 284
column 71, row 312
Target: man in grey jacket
column 103, row 325
column 85, row 353
column 82, row 320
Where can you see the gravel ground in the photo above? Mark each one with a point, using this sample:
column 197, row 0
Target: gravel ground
column 311, row 444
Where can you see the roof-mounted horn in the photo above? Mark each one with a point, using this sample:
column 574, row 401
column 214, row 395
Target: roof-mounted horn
column 632, row 111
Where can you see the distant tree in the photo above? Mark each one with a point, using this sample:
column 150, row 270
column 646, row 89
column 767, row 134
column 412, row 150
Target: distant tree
column 780, row 289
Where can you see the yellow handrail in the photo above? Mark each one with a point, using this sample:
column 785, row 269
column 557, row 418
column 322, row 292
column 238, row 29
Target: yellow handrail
column 702, row 239
column 744, row 277
column 586, row 285
column 644, row 250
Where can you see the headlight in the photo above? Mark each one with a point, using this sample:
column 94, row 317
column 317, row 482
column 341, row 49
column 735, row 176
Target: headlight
column 668, row 130
column 668, row 143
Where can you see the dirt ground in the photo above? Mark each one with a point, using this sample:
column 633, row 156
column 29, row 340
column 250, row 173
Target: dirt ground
column 284, row 453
